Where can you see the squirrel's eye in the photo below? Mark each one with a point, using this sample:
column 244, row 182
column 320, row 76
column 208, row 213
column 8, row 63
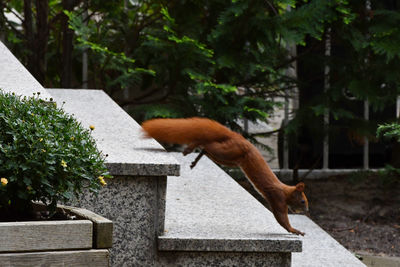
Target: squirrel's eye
column 302, row 201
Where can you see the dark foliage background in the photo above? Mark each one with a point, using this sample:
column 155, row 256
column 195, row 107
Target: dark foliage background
column 225, row 60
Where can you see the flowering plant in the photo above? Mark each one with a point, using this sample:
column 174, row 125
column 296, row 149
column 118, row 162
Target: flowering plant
column 45, row 155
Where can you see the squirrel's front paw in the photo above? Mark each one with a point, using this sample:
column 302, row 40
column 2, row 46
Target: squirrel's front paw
column 297, row 232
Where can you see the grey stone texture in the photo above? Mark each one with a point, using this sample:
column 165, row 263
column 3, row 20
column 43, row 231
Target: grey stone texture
column 136, row 207
column 15, row 78
column 116, row 134
column 319, row 248
column 223, row 259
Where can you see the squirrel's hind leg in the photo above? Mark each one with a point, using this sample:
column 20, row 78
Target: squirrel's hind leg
column 189, row 149
column 193, row 164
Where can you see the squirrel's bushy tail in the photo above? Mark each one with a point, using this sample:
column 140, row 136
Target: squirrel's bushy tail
column 185, row 131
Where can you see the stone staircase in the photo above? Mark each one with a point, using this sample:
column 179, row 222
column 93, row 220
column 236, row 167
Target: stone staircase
column 200, row 218
column 211, row 221
column 208, row 216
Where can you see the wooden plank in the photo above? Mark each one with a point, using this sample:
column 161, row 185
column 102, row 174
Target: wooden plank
column 102, row 227
column 45, row 235
column 77, row 258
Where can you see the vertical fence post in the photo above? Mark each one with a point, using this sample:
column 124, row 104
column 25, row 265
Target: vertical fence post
column 285, row 139
column 366, row 113
column 325, row 153
column 398, row 107
column 366, row 142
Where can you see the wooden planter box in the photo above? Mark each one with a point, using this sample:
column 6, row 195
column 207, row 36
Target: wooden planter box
column 81, row 242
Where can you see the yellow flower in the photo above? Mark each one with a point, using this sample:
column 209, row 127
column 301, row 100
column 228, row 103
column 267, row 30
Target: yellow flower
column 102, row 182
column 63, row 163
column 41, row 139
column 91, row 127
column 72, row 138
column 4, row 181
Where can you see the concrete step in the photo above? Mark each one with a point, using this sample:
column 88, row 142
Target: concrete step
column 116, row 134
column 210, row 218
column 319, row 248
column 207, row 211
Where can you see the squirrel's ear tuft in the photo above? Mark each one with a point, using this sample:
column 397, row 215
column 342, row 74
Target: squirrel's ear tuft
column 300, row 187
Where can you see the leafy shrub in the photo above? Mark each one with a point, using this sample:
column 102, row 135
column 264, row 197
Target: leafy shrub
column 390, row 130
column 45, row 155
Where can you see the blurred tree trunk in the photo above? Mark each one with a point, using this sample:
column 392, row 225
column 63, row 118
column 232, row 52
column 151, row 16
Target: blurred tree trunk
column 67, row 46
column 41, row 38
column 36, row 40
column 28, row 28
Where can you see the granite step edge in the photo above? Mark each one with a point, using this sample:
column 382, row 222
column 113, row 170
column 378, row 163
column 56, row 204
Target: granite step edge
column 272, row 243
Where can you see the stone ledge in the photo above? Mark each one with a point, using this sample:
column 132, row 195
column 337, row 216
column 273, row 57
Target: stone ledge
column 15, row 78
column 319, row 248
column 206, row 210
column 268, row 244
column 116, row 134
column 222, row 259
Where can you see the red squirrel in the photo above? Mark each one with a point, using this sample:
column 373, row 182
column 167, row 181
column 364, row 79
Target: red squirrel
column 231, row 149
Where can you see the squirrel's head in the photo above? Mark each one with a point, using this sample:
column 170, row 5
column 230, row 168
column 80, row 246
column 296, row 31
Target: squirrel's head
column 297, row 200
